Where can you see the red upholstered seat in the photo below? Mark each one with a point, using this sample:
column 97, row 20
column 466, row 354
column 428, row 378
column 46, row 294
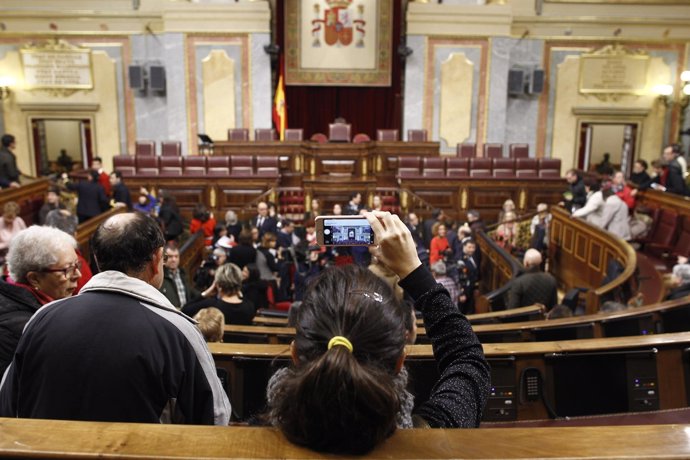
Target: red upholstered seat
column 319, row 138
column 434, row 167
column 493, row 150
column 294, row 134
column 457, row 167
column 218, row 166
column 550, row 166
column 480, row 173
column 264, row 135
column 663, row 234
column 171, row 148
column 529, row 164
column 480, row 167
column 387, row 135
column 194, row 165
column 170, row 166
column 339, row 132
column 238, row 134
column 504, row 163
column 144, row 148
column 549, row 174
column 504, row 173
column 466, row 150
column 267, row 166
column 408, row 167
column 125, row 164
column 416, row 135
column 519, row 150
column 147, row 165
column 242, row 165
column 360, row 138
column 526, row 173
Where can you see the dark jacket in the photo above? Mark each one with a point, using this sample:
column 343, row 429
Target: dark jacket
column 172, row 221
column 117, row 352
column 270, row 224
column 8, row 166
column 579, row 193
column 169, row 289
column 242, row 255
column 92, row 199
column 234, row 313
column 679, row 292
column 642, row 180
column 533, row 286
column 17, row 305
column 121, row 195
column 674, row 181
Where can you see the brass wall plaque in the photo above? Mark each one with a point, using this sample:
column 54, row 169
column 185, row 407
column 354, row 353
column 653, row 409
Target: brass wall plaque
column 56, row 65
column 613, row 70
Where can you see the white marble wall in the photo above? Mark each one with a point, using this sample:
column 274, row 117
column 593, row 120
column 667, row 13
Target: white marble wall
column 262, row 91
column 176, row 113
column 4, row 49
column 414, row 84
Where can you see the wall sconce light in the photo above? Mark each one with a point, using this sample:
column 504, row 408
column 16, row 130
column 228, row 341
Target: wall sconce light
column 664, row 93
column 5, row 83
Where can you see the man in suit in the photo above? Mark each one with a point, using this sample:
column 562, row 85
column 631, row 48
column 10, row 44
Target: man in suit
column 121, row 195
column 263, row 221
column 9, row 173
column 533, row 285
column 468, row 269
column 675, row 182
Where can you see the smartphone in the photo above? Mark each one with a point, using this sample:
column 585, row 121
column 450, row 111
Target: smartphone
column 343, row 231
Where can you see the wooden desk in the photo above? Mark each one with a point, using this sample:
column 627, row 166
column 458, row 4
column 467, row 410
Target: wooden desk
column 57, row 439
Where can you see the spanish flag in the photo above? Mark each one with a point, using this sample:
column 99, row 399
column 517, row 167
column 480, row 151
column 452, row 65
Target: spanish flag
column 279, row 109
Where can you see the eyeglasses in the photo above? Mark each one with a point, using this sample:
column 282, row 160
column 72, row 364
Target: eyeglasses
column 67, row 271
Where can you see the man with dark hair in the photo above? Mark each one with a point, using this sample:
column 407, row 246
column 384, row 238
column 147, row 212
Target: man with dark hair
column 675, row 182
column 121, row 195
column 103, row 177
column 92, row 199
column 175, row 285
column 576, row 197
column 119, row 351
column 353, row 206
column 9, row 173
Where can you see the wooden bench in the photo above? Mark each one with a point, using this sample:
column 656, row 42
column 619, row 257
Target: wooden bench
column 57, row 439
column 30, row 197
column 658, row 363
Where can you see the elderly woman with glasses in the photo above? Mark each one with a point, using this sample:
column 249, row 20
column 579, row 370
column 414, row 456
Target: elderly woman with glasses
column 43, row 267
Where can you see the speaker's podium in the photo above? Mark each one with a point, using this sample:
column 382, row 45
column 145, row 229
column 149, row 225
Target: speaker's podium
column 205, row 144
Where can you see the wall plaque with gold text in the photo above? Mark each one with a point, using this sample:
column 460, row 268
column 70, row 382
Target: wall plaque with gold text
column 56, row 65
column 621, row 74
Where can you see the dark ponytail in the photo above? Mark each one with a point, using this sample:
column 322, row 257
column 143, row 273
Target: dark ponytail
column 336, row 400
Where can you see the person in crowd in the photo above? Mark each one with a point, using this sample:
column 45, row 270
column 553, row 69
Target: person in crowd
column 640, row 176
column 43, row 267
column 253, row 287
column 508, row 206
column 10, row 226
column 52, row 202
column 146, row 203
column 203, row 219
column 337, row 209
column 244, row 253
column 226, row 295
column 211, row 323
column 507, row 231
column 593, row 210
column 439, row 270
column 415, row 228
column 9, row 173
column 103, row 177
column 468, row 275
column 255, row 237
column 376, row 203
column 576, row 196
column 120, row 192
column 273, row 212
column 65, row 162
column 132, row 356
column 206, row 273
column 266, row 258
column 439, row 243
column 233, row 224
column 437, row 215
column 675, row 181
column 315, row 210
column 346, row 391
column 539, row 227
column 169, row 216
column 263, row 221
column 92, row 199
column 475, row 222
column 63, row 220
column 623, row 190
column 680, row 158
column 353, row 206
column 605, row 168
column 220, row 236
column 533, row 285
column 285, row 235
column 175, row 286
column 680, row 282
column 559, row 311
column 615, row 217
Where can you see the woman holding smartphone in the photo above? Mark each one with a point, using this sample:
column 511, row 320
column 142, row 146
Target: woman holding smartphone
column 346, row 391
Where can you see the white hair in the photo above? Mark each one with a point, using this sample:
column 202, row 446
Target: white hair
column 532, row 258
column 682, row 272
column 36, row 248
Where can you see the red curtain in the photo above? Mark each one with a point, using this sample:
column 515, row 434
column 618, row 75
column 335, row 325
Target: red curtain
column 312, row 108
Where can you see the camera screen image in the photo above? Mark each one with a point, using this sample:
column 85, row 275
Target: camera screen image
column 344, row 232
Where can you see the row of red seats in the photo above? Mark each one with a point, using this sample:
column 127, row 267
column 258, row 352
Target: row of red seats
column 198, row 165
column 506, row 168
column 492, row 150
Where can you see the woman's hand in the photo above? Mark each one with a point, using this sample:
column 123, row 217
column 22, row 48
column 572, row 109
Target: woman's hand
column 212, row 291
column 396, row 248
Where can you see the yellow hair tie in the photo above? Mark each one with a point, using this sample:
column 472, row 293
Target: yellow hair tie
column 340, row 340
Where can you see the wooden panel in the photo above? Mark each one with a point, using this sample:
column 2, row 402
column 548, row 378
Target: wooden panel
column 29, row 197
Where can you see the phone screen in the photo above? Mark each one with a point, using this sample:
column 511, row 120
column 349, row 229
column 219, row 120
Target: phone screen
column 354, row 231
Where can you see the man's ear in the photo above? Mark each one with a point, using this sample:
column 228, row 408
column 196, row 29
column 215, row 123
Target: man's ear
column 293, row 353
column 155, row 262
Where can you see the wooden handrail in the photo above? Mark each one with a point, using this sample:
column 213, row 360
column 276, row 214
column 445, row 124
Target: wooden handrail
column 59, row 439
